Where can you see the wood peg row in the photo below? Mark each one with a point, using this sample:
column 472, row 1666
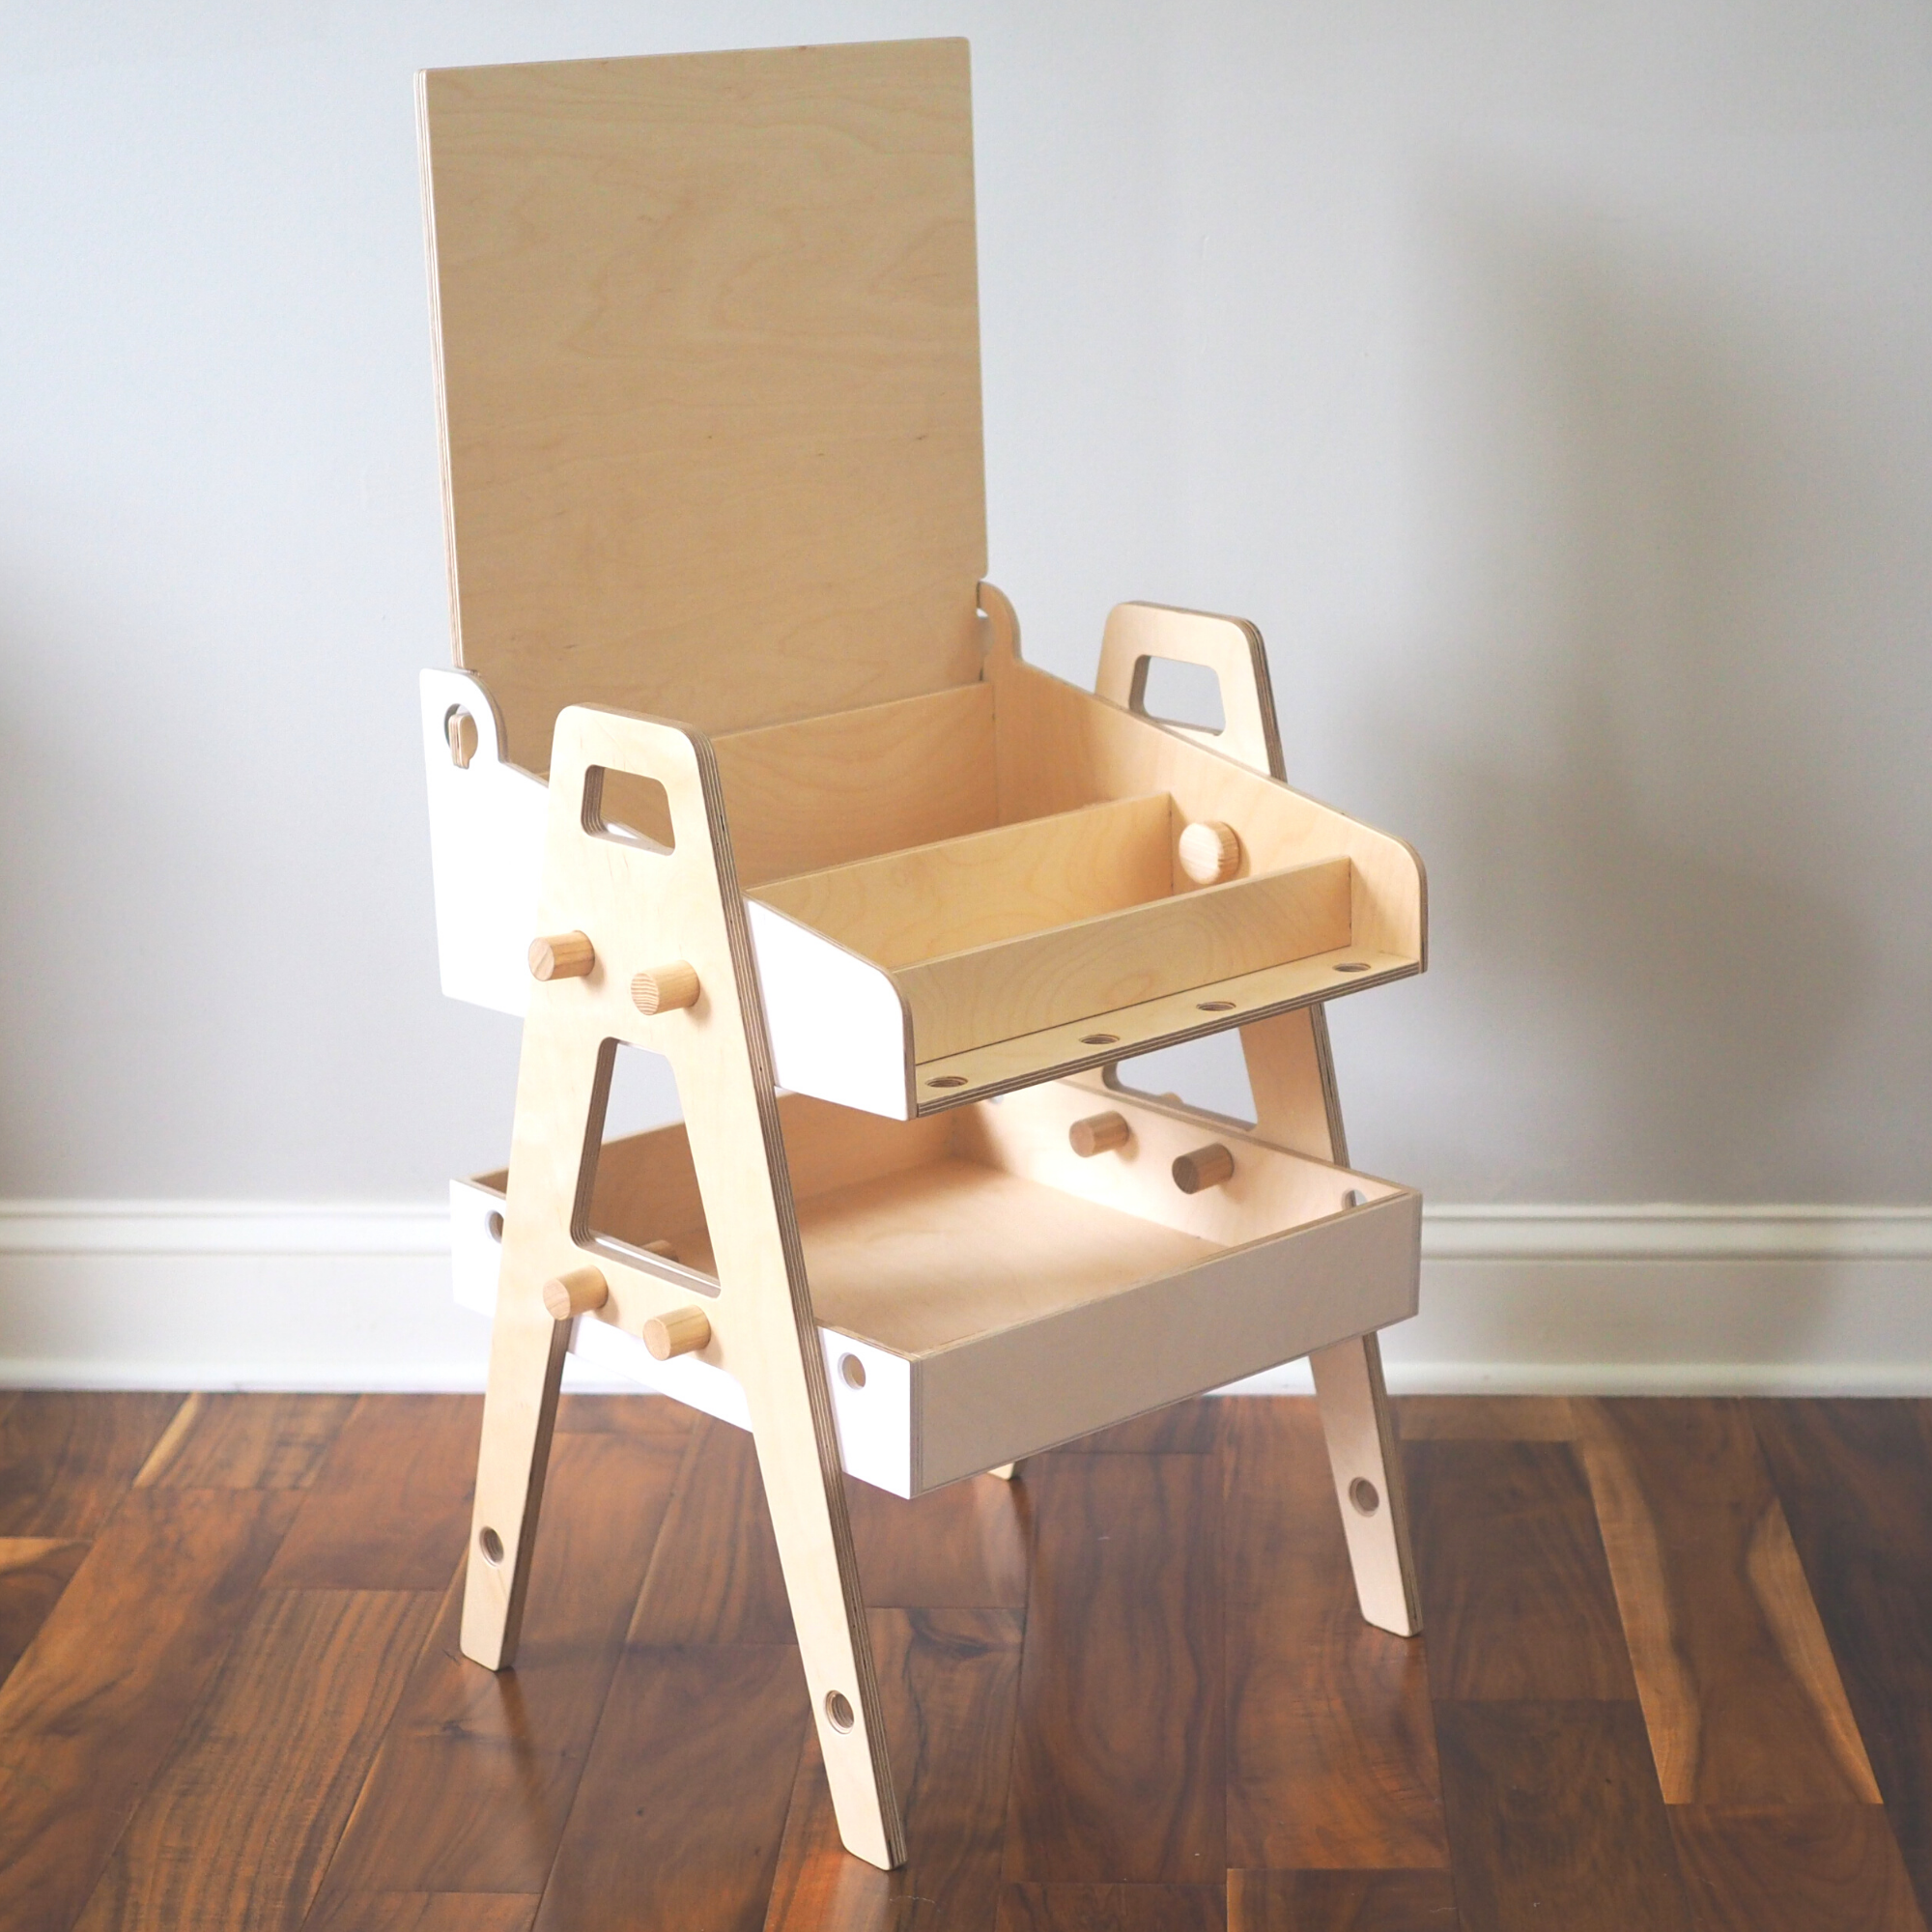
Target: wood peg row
column 581, row 1291
column 1205, row 1167
column 1098, row 1133
column 562, row 956
column 681, row 1332
column 1210, row 852
column 664, row 989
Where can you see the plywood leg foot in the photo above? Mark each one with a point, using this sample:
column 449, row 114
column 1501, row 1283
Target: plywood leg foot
column 1363, row 1454
column 526, row 1351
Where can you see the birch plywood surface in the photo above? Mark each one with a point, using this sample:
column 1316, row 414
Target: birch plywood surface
column 709, row 362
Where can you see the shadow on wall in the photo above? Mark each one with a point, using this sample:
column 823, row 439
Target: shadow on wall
column 1626, row 747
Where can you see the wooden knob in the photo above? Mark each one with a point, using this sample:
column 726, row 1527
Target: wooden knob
column 460, row 731
column 577, row 1292
column 562, row 956
column 678, row 1333
column 1098, row 1133
column 1206, row 1167
column 665, row 988
column 1210, row 852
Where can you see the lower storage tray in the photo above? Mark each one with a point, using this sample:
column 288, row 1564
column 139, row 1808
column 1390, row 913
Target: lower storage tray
column 984, row 1292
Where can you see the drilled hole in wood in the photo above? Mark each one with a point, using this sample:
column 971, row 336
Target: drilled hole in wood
column 948, row 1080
column 852, row 1372
column 1214, row 1005
column 1099, row 1039
column 1355, row 1198
column 1365, row 1496
column 1352, row 966
column 495, row 1224
column 490, row 1545
column 839, row 1709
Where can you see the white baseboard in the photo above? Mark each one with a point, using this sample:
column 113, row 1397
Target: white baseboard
column 1653, row 1299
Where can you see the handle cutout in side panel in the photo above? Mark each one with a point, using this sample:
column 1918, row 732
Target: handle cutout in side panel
column 1174, row 691
column 630, row 809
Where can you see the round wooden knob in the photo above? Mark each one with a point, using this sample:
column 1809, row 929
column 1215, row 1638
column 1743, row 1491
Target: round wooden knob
column 1210, row 852
column 1098, row 1133
column 662, row 990
column 678, row 1333
column 1206, row 1167
column 577, row 1292
column 460, row 731
column 562, row 956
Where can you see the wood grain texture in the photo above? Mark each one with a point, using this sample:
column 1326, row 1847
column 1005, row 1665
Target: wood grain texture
column 1331, row 1743
column 249, row 1442
column 1340, row 1902
column 1119, row 1753
column 1739, row 1691
column 626, row 1415
column 236, row 1827
column 713, row 1577
column 682, row 1805
column 962, row 1546
column 1112, row 1908
column 474, row 1778
column 389, row 1508
column 65, row 1457
column 1516, row 1594
column 428, row 1911
column 1191, row 1428
column 1556, row 1819
column 1822, row 1868
column 1486, row 1418
column 740, row 422
column 34, row 1571
column 1855, row 1481
column 949, row 1680
column 91, row 1711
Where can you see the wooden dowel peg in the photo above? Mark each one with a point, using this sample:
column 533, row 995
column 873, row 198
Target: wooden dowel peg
column 678, row 1333
column 662, row 990
column 1098, row 1133
column 1210, row 852
column 1206, row 1167
column 577, row 1292
column 460, row 731
column 562, row 956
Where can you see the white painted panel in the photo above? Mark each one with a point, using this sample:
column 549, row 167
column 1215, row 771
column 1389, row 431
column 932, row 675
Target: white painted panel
column 874, row 1418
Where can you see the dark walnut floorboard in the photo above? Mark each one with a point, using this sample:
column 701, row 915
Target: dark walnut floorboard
column 34, row 1571
column 1828, row 1869
column 1186, row 1429
column 246, row 1442
column 1340, row 1902
column 429, row 1911
column 1119, row 1753
column 67, row 1459
column 1331, row 1741
column 634, row 1415
column 1112, row 1908
column 961, row 1548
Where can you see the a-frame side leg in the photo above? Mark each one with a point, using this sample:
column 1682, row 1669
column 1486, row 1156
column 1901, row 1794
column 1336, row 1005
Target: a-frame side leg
column 661, row 957
column 1292, row 1075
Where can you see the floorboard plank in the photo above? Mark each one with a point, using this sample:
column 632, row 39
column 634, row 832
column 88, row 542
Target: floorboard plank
column 68, row 1456
column 1191, row 1428
column 631, row 1413
column 428, row 1911
column 1828, row 1869
column 249, row 1442
column 389, row 1508
column 950, row 1679
column 474, row 1778
column 960, row 1547
column 1113, row 1908
column 1340, row 1902
column 1556, row 1819
column 91, row 1711
column 1331, row 1741
column 715, row 1578
column 1516, row 1594
column 1484, row 1418
column 1855, row 1481
column 34, row 1571
column 234, row 1830
column 1740, row 1694
column 680, row 1811
column 1118, row 1759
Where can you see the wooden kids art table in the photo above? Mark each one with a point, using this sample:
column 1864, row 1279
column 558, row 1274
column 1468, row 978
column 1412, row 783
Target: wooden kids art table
column 742, row 765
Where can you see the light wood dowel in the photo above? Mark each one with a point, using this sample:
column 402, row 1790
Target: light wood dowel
column 681, row 1332
column 562, row 956
column 662, row 990
column 1206, row 1167
column 460, row 731
column 1210, row 852
column 1098, row 1133
column 577, row 1292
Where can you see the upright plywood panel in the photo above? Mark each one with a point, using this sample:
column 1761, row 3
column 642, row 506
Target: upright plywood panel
column 709, row 360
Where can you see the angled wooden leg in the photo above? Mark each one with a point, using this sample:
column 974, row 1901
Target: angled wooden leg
column 1292, row 1075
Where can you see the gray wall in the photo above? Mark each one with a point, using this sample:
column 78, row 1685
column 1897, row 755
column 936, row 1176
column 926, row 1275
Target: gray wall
column 1550, row 384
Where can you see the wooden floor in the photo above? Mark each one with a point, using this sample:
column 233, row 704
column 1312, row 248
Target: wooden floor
column 1678, row 1673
